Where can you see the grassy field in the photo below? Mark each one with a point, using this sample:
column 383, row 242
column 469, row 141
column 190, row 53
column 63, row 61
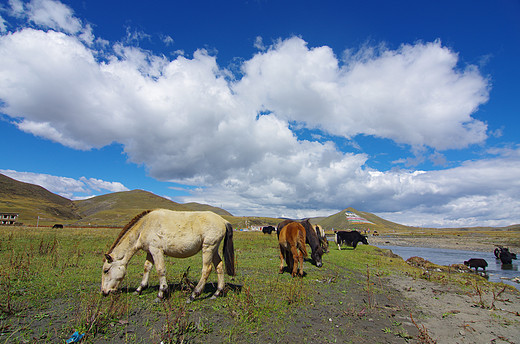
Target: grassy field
column 50, row 279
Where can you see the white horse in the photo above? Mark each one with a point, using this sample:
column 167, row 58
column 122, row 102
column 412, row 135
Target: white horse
column 176, row 234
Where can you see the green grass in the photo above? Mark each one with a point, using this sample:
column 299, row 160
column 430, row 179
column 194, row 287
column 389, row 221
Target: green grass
column 50, row 279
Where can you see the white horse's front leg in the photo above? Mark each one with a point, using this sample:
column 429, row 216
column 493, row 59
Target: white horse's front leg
column 160, row 266
column 148, row 264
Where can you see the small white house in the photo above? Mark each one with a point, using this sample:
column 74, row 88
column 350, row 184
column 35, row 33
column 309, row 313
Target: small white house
column 8, row 218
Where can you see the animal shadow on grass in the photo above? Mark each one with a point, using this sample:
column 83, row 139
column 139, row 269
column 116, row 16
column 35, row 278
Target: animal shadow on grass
column 289, row 270
column 309, row 260
column 187, row 287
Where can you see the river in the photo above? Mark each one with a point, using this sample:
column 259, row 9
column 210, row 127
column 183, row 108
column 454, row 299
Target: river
column 442, row 256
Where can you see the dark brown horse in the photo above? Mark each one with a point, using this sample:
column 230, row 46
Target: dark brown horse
column 291, row 239
column 311, row 238
column 323, row 238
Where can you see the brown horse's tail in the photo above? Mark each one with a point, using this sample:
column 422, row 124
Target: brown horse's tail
column 301, row 242
column 229, row 251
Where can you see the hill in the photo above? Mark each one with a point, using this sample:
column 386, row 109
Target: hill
column 33, row 201
column 35, row 204
column 116, row 209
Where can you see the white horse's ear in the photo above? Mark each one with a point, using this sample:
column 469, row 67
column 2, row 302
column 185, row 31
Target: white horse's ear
column 109, row 258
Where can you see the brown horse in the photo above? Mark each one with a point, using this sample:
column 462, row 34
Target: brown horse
column 312, row 238
column 170, row 233
column 292, row 247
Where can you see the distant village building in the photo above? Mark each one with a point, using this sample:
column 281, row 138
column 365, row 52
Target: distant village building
column 8, row 218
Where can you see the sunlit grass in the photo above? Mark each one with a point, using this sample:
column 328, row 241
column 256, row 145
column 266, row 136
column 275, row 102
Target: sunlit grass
column 44, row 271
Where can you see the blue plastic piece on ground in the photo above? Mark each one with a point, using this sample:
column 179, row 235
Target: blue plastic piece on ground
column 76, row 337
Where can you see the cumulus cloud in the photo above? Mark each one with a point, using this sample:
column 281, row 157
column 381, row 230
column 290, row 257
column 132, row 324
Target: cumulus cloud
column 191, row 121
column 53, row 14
column 64, row 186
column 414, row 95
column 98, row 185
column 3, row 26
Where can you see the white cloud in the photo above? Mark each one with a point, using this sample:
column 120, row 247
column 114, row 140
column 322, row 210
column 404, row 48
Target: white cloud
column 414, row 95
column 3, row 26
column 66, row 187
column 477, row 193
column 17, row 8
column 259, row 43
column 188, row 121
column 54, row 15
column 98, row 185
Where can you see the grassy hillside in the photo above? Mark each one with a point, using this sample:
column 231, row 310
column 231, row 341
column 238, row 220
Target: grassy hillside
column 33, row 201
column 115, row 209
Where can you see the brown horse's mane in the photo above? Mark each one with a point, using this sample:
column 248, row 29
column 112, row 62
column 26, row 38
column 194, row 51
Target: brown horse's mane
column 127, row 228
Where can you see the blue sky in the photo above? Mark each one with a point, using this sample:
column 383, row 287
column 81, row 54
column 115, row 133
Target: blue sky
column 272, row 108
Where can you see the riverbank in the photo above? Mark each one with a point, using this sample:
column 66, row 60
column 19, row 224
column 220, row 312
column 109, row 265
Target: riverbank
column 476, row 242
column 449, row 313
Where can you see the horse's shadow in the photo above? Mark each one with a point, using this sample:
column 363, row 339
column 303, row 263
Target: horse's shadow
column 187, row 288
column 286, row 269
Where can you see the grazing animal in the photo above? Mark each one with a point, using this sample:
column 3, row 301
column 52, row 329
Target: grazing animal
column 311, row 238
column 268, row 229
column 57, row 226
column 497, row 251
column 476, row 263
column 291, row 240
column 505, row 256
column 172, row 233
column 323, row 238
column 350, row 238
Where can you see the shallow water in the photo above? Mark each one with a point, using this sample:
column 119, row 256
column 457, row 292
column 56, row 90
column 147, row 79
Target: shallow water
column 443, row 256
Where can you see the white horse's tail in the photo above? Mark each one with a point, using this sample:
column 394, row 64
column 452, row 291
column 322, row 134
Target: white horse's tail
column 229, row 251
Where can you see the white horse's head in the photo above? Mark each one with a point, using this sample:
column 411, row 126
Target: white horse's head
column 113, row 273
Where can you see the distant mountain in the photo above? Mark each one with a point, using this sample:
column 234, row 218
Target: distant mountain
column 116, row 209
column 32, row 201
column 120, row 207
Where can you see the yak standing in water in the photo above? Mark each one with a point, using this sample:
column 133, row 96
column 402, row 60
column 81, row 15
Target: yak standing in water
column 476, row 263
column 504, row 255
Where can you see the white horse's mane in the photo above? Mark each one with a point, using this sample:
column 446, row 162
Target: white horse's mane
column 127, row 228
